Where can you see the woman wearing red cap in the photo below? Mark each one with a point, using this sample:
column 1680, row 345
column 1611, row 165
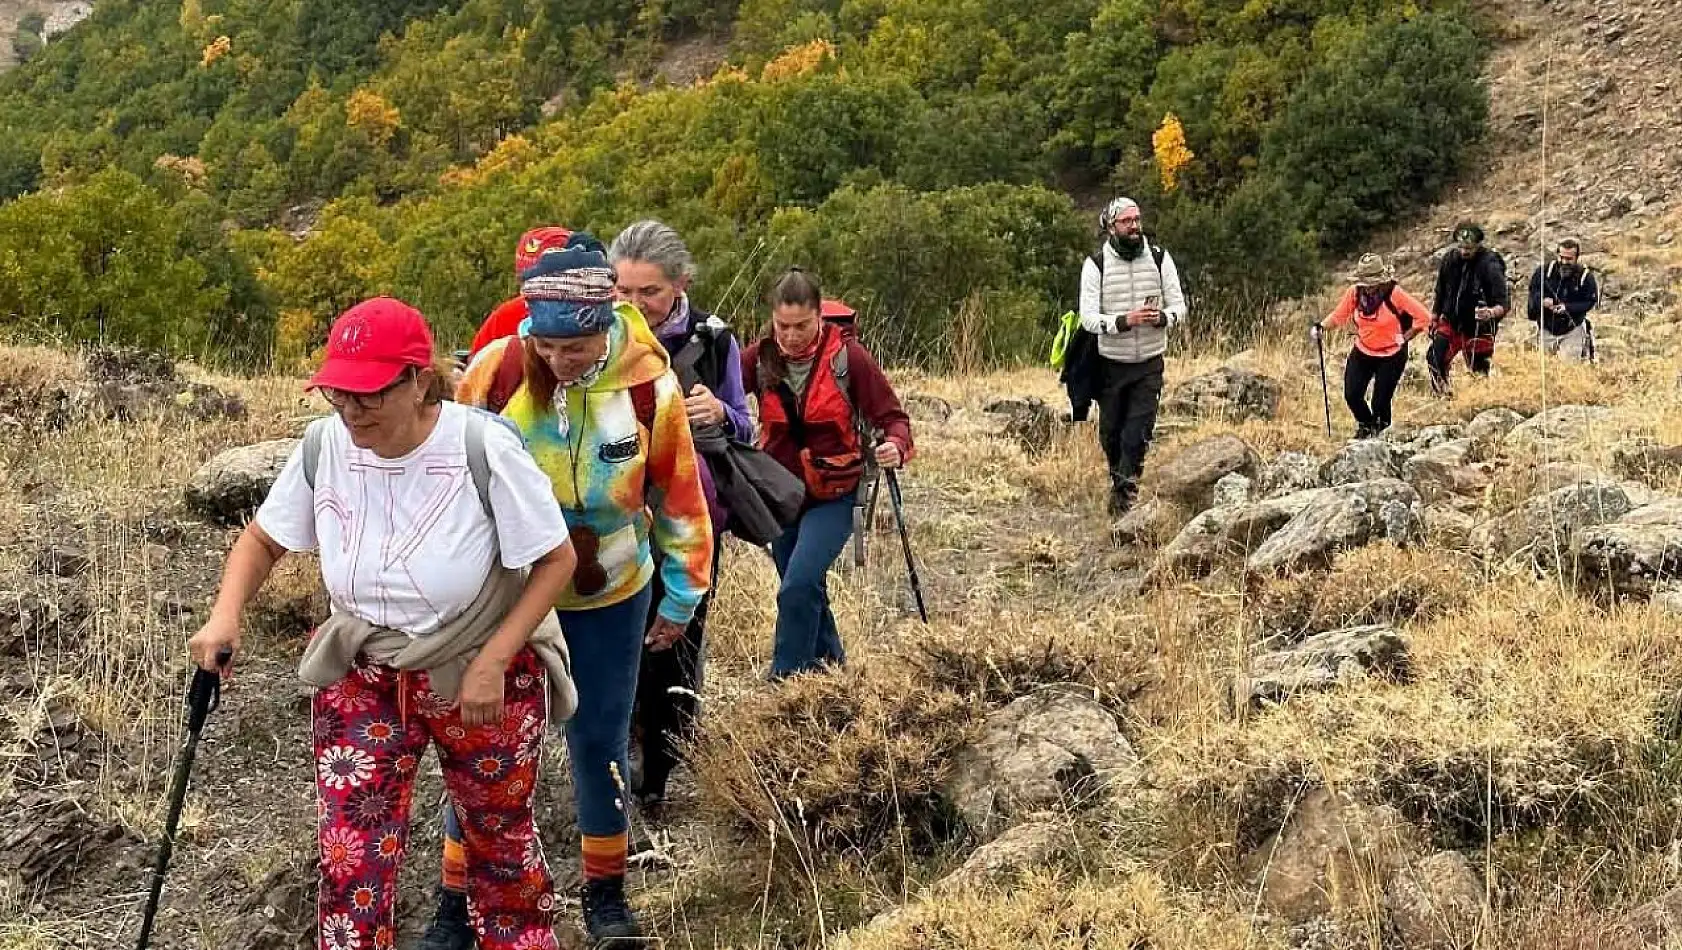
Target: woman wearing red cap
column 443, row 550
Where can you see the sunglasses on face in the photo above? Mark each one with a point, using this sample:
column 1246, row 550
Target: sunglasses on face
column 589, row 578
column 367, row 402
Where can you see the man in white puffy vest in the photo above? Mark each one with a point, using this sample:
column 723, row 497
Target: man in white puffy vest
column 1129, row 296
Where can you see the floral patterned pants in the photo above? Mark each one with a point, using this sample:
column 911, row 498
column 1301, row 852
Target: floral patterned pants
column 371, row 729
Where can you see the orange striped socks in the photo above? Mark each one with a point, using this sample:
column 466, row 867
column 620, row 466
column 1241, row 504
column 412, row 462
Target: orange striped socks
column 455, row 865
column 604, row 855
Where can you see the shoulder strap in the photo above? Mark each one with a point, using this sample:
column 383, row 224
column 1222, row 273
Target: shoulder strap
column 510, row 373
column 313, row 435
column 646, row 403
column 1157, row 253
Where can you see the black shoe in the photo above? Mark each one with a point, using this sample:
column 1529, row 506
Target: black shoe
column 1121, row 501
column 607, row 918
column 449, row 929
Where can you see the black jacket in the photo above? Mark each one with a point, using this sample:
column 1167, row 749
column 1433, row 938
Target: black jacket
column 1579, row 294
column 1083, row 374
column 1465, row 285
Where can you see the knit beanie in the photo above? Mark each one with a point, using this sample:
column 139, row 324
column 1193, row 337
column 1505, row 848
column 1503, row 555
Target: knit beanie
column 569, row 292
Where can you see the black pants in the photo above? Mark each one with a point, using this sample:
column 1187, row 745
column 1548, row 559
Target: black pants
column 1384, row 374
column 1127, row 403
column 1476, row 340
column 669, row 688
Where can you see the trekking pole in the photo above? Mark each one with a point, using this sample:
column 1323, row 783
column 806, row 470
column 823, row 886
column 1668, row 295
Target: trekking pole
column 203, row 696
column 1325, row 391
column 905, row 542
column 864, row 519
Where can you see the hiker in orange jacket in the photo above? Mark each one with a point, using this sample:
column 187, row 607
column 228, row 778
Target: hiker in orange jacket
column 1386, row 319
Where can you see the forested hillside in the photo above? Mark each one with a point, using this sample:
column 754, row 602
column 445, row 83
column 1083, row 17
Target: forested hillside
column 221, row 177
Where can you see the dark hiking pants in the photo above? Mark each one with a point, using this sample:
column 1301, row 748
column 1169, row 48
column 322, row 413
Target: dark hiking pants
column 1383, row 374
column 1127, row 403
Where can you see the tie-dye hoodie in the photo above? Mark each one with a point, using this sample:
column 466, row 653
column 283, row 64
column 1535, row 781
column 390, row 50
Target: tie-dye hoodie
column 614, row 456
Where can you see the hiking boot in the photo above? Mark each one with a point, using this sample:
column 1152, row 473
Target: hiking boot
column 607, row 918
column 449, row 929
column 1121, row 501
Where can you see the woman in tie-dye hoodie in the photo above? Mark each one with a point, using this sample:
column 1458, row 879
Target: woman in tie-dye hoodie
column 603, row 414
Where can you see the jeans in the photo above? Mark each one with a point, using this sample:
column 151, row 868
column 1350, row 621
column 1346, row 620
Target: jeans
column 806, row 636
column 1383, row 373
column 1127, row 403
column 606, row 647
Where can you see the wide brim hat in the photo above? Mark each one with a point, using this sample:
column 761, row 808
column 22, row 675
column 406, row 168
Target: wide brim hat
column 1372, row 269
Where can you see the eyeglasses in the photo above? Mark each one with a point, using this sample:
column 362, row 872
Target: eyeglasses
column 367, row 402
column 590, row 577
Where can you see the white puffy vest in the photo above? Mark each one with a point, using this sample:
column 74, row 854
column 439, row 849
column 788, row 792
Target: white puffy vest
column 1126, row 285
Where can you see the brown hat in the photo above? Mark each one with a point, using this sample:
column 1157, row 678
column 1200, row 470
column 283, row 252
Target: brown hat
column 1373, row 269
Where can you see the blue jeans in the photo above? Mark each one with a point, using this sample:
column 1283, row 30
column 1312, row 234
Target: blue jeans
column 806, row 637
column 606, row 647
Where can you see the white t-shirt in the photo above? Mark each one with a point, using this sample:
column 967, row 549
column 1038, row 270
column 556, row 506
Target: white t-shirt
column 404, row 542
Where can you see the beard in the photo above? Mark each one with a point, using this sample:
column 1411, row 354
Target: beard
column 1127, row 246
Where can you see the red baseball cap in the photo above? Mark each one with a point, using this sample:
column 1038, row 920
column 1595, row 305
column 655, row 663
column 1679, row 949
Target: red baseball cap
column 371, row 344
column 534, row 242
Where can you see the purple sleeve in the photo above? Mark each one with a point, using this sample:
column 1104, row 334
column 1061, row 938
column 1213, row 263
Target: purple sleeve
column 734, row 396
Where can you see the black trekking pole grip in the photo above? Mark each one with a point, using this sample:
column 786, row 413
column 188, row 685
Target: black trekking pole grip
column 204, row 694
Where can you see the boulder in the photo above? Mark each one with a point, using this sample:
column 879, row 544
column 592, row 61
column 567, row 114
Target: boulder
column 1346, row 517
column 1228, row 393
column 1436, row 903
column 1321, row 662
column 1360, row 461
column 925, row 406
column 1288, row 472
column 1232, row 491
column 1542, row 527
column 1197, row 550
column 1031, row 845
column 1448, row 528
column 1189, row 477
column 1442, row 471
column 1663, row 511
column 1647, row 463
column 62, row 560
column 1054, row 749
column 1629, row 559
column 1559, row 430
column 1491, row 426
column 1429, row 438
column 229, row 488
column 128, row 364
column 1329, row 854
column 1029, row 421
column 1146, row 523
column 1254, row 523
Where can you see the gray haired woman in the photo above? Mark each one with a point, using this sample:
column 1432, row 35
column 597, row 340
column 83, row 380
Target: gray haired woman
column 652, row 269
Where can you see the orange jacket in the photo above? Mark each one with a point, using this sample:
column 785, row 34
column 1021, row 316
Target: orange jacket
column 1383, row 333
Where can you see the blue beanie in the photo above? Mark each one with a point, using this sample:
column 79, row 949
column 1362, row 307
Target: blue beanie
column 569, row 292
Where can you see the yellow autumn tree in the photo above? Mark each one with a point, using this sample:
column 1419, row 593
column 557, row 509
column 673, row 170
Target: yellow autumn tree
column 1172, row 155
column 218, row 48
column 370, row 112
column 802, row 60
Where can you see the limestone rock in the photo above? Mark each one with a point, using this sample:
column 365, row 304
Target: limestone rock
column 1054, row 749
column 1228, row 393
column 1146, row 523
column 1033, row 844
column 1321, row 662
column 1029, row 421
column 1492, row 425
column 1436, row 903
column 1288, row 472
column 1543, row 526
column 1560, row 430
column 1197, row 550
column 1232, row 491
column 231, row 486
column 1189, row 477
column 1346, row 517
column 1629, row 559
column 1255, row 523
column 1333, row 848
column 1360, row 461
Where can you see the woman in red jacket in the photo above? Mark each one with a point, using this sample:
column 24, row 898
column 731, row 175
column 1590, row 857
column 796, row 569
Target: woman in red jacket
column 1386, row 319
column 809, row 376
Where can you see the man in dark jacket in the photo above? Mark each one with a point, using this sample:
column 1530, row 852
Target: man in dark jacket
column 1471, row 299
column 1561, row 295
